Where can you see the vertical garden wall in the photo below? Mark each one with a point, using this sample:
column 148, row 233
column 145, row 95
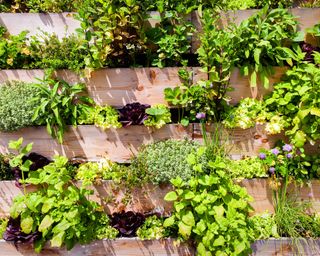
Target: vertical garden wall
column 181, row 128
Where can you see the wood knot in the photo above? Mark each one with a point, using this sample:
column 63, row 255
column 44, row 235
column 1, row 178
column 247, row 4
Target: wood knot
column 140, row 87
column 265, row 140
column 257, row 136
column 153, row 74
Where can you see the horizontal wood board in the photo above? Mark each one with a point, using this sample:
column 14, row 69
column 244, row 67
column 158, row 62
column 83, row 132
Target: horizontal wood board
column 91, row 143
column 117, row 247
column 149, row 198
column 135, row 247
column 119, row 86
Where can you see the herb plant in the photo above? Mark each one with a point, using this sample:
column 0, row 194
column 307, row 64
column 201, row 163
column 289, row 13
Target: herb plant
column 58, row 209
column 262, row 42
column 56, row 6
column 152, row 229
column 59, row 103
column 16, row 105
column 211, row 210
column 5, row 170
column 50, row 52
column 295, row 100
column 161, row 161
column 264, row 226
column 158, row 116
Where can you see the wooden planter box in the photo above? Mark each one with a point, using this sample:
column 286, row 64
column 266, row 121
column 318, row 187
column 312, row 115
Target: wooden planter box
column 117, row 247
column 136, row 247
column 149, row 198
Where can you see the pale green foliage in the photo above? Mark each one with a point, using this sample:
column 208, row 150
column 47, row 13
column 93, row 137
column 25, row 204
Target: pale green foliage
column 264, row 226
column 152, row 228
column 247, row 168
column 16, row 107
column 3, row 225
column 161, row 161
column 159, row 115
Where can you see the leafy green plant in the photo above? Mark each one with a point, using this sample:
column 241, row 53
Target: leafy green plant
column 161, row 161
column 295, row 100
column 152, row 229
column 3, row 226
column 14, row 51
column 262, row 42
column 264, row 226
column 247, row 168
column 58, row 209
column 105, row 117
column 291, row 215
column 16, row 105
column 94, row 172
column 309, row 3
column 59, row 103
column 52, row 6
column 172, row 39
column 158, row 116
column 274, row 3
column 113, row 31
column 211, row 210
column 246, row 114
column 48, row 51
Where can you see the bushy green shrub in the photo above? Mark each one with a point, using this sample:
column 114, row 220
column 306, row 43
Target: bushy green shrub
column 161, row 161
column 246, row 168
column 51, row 5
column 48, row 51
column 16, row 107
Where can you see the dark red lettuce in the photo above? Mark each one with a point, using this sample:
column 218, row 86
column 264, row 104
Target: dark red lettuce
column 309, row 50
column 133, row 114
column 14, row 234
column 127, row 223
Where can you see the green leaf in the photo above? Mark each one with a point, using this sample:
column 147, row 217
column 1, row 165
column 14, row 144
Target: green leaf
column 171, row 196
column 315, row 111
column 184, row 230
column 184, row 121
column 57, row 240
column 253, row 79
column 219, row 241
column 189, row 195
column 169, row 221
column 15, row 144
column 188, row 219
column 45, row 224
column 26, row 224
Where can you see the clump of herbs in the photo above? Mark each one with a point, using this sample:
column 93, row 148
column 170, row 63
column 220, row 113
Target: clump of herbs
column 16, row 105
column 158, row 116
column 152, row 229
column 211, row 210
column 161, row 161
column 50, row 52
column 59, row 210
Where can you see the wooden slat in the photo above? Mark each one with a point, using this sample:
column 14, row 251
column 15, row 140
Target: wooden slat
column 246, row 142
column 241, row 84
column 92, row 143
column 149, row 198
column 115, row 87
column 286, row 247
column 118, row 247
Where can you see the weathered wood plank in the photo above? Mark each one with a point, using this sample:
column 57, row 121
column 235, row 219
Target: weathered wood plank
column 91, row 143
column 286, row 247
column 241, row 84
column 117, row 247
column 116, row 87
column 149, row 198
column 120, row 86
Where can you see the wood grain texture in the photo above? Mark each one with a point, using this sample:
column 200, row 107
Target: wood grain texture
column 149, row 198
column 286, row 247
column 241, row 85
column 91, row 143
column 114, row 86
column 118, row 247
